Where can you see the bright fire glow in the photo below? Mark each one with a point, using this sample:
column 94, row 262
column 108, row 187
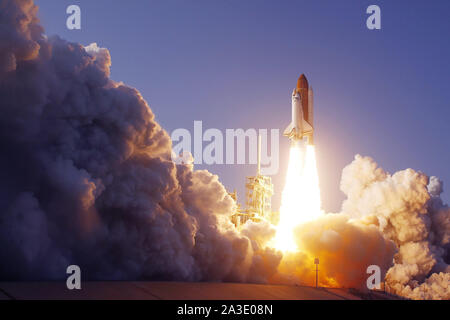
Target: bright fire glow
column 300, row 200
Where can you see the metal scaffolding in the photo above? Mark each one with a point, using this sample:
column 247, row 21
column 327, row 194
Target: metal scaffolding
column 259, row 192
column 258, row 196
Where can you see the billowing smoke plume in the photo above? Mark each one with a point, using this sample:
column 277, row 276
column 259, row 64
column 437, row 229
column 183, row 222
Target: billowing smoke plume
column 86, row 178
column 397, row 222
column 408, row 211
column 86, row 175
column 345, row 248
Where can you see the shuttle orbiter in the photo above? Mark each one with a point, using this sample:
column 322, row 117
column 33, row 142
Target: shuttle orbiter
column 302, row 112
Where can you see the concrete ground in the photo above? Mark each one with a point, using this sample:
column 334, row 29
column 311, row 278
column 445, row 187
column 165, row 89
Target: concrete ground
column 176, row 291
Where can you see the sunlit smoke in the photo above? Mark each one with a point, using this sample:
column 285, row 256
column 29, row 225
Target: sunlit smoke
column 300, row 200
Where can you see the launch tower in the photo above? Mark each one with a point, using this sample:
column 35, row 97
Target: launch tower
column 259, row 191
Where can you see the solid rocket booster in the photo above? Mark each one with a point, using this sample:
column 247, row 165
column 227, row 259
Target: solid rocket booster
column 302, row 112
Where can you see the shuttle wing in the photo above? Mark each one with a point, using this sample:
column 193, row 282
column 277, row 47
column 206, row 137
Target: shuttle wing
column 288, row 131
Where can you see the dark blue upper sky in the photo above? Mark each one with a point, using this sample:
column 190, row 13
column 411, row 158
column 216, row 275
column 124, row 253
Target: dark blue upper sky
column 233, row 64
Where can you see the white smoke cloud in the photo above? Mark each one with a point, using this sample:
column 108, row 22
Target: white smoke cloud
column 397, row 222
column 410, row 213
column 87, row 176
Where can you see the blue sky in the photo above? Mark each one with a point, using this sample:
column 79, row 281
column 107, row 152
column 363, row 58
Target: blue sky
column 233, row 64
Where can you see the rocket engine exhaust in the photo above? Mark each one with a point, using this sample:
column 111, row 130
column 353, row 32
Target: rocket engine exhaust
column 301, row 194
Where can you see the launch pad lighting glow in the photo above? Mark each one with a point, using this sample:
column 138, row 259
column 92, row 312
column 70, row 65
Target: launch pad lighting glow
column 300, row 200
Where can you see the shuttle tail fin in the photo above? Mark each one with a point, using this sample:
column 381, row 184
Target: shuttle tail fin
column 307, row 128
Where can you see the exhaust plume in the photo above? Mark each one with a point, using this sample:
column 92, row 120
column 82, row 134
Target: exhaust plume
column 87, row 176
column 397, row 222
column 410, row 212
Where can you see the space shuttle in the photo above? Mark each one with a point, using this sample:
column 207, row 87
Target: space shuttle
column 302, row 113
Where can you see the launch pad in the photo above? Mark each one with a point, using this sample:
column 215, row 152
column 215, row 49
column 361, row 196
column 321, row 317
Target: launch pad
column 140, row 290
